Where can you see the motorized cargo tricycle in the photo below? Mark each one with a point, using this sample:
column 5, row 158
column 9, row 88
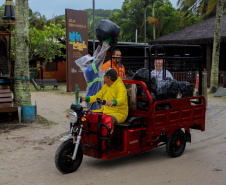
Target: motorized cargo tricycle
column 150, row 122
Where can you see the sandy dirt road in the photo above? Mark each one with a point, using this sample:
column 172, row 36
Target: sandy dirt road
column 27, row 154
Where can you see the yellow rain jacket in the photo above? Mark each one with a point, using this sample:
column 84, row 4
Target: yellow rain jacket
column 118, row 94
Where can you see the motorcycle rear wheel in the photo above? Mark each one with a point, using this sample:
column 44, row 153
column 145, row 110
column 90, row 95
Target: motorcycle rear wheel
column 176, row 144
column 63, row 157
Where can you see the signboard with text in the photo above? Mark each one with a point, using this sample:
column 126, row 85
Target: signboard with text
column 77, row 46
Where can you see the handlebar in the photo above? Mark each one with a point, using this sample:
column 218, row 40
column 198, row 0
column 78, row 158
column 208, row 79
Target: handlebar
column 103, row 102
column 80, row 99
column 98, row 100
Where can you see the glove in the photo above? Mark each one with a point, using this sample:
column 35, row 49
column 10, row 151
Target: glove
column 107, row 40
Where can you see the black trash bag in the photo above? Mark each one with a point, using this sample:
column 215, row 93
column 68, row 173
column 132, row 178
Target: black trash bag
column 143, row 75
column 140, row 91
column 186, row 89
column 153, row 97
column 152, row 85
column 167, row 89
column 128, row 77
column 163, row 106
column 164, row 90
column 142, row 105
column 107, row 29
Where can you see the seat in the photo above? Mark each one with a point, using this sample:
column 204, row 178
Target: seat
column 131, row 94
column 132, row 123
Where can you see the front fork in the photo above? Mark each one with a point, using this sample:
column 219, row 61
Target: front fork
column 77, row 142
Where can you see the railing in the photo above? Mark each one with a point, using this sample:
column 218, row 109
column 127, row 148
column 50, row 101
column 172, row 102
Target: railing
column 221, row 78
column 190, row 76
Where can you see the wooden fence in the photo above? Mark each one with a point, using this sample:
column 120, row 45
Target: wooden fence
column 190, row 76
column 221, row 78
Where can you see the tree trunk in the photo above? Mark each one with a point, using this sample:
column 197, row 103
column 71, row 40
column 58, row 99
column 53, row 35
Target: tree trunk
column 21, row 69
column 216, row 47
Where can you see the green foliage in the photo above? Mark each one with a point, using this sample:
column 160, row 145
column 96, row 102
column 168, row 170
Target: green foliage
column 36, row 20
column 168, row 17
column 45, row 43
column 131, row 17
column 99, row 14
column 44, row 35
column 57, row 20
column 192, row 20
column 1, row 13
column 39, row 21
column 204, row 8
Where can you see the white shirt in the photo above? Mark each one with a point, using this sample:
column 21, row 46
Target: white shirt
column 159, row 75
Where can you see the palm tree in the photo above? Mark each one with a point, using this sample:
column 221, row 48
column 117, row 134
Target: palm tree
column 37, row 20
column 216, row 47
column 152, row 2
column 21, row 68
column 205, row 8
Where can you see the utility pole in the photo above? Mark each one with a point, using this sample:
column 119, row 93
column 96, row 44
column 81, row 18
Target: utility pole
column 93, row 26
column 145, row 24
column 153, row 15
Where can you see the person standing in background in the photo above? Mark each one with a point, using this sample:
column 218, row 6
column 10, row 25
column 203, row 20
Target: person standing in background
column 116, row 64
column 158, row 71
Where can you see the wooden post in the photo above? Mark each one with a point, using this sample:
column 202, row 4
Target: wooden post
column 208, row 62
column 204, row 85
column 224, row 80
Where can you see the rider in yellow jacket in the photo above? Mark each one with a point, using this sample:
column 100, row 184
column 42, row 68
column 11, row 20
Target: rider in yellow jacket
column 115, row 94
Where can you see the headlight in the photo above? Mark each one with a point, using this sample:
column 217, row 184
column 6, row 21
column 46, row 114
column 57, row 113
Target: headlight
column 73, row 117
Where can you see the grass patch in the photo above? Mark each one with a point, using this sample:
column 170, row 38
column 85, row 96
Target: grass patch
column 61, row 90
column 211, row 95
column 7, row 127
column 219, row 98
column 64, row 93
column 47, row 88
column 44, row 121
column 81, row 93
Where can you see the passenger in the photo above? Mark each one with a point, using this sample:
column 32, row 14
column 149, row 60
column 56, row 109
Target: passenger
column 158, row 72
column 115, row 94
column 116, row 64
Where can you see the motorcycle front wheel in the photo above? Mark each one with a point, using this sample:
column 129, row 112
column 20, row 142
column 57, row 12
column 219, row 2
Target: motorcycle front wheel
column 63, row 157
